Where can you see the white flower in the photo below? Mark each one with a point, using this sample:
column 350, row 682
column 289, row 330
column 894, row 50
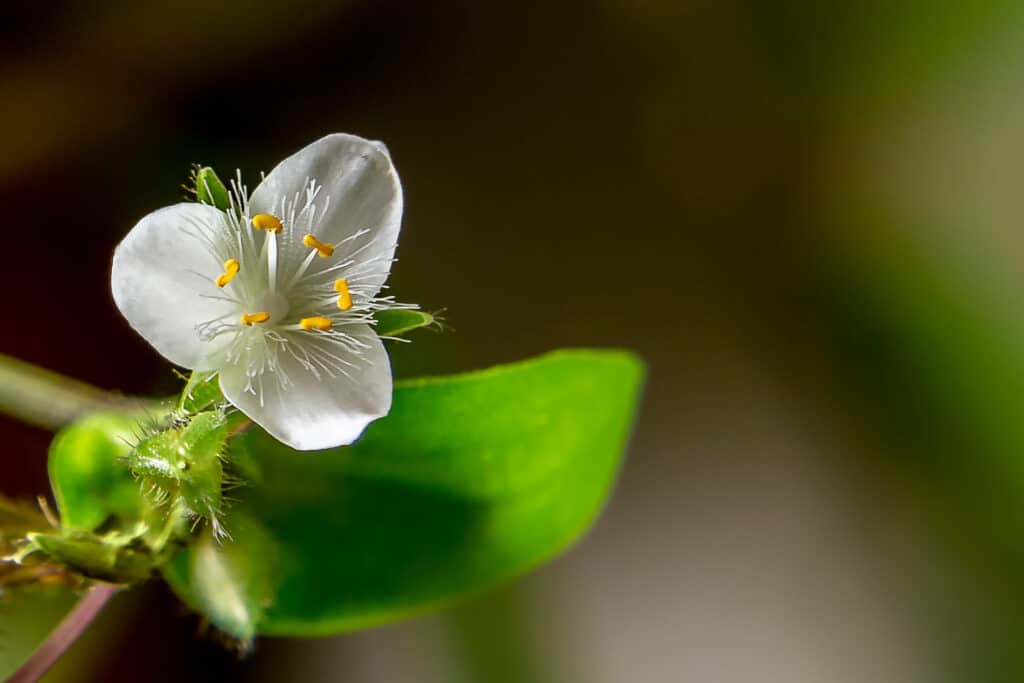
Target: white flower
column 277, row 294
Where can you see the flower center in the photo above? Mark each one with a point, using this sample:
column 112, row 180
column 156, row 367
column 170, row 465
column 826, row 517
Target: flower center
column 250, row 278
column 271, row 304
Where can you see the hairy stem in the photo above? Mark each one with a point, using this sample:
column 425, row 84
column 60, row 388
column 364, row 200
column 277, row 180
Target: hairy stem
column 44, row 398
column 87, row 609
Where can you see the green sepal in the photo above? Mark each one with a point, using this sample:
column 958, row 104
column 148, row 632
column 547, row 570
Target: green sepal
column 114, row 557
column 210, row 190
column 201, row 392
column 396, row 322
column 182, row 462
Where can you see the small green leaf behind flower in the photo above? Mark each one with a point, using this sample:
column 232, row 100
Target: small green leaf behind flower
column 396, row 322
column 209, row 188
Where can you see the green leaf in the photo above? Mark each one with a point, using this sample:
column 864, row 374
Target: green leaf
column 470, row 480
column 210, row 190
column 397, row 322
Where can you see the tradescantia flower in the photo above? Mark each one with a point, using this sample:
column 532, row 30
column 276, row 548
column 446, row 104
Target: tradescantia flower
column 277, row 293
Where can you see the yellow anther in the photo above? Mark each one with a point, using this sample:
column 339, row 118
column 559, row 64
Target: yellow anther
column 324, row 250
column 264, row 221
column 315, row 323
column 249, row 318
column 231, row 267
column 344, row 296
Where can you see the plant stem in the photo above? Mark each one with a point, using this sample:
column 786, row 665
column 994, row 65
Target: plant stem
column 44, row 398
column 87, row 609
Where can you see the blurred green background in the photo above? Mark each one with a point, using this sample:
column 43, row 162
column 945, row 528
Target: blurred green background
column 807, row 217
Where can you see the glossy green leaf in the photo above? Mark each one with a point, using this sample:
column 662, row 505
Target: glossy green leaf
column 470, row 480
column 397, row 322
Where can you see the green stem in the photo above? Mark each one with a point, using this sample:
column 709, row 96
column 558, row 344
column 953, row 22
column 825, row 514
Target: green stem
column 45, row 398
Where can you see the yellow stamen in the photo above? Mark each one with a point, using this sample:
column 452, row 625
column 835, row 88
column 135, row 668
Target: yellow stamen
column 264, row 221
column 231, row 268
column 249, row 318
column 324, row 250
column 315, row 323
column 344, row 296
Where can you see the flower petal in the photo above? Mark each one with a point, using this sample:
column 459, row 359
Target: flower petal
column 365, row 193
column 311, row 412
column 160, row 274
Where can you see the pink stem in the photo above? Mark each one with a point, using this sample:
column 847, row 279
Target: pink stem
column 91, row 604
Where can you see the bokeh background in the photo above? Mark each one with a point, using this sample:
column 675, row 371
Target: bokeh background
column 807, row 217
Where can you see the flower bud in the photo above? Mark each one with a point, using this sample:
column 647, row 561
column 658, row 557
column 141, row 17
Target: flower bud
column 182, row 464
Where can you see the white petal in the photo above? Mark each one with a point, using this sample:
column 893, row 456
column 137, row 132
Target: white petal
column 161, row 272
column 313, row 413
column 364, row 191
